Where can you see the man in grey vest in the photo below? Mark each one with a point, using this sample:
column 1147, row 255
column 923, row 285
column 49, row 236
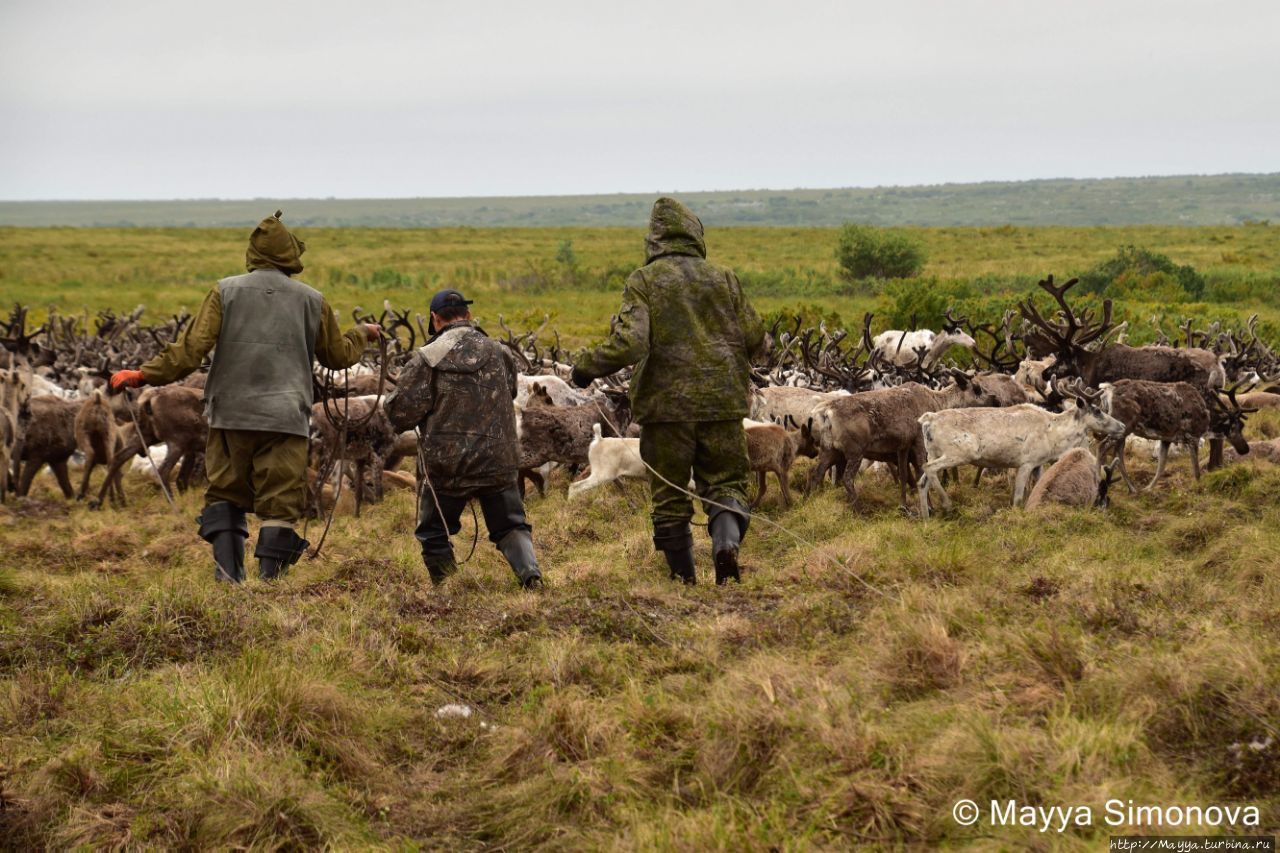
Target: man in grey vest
column 268, row 330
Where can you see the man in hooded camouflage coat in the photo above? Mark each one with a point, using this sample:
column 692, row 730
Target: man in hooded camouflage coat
column 268, row 329
column 687, row 326
column 457, row 391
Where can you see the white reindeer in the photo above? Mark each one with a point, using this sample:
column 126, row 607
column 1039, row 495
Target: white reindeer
column 1023, row 437
column 611, row 459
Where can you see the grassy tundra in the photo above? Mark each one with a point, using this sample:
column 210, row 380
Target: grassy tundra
column 1057, row 659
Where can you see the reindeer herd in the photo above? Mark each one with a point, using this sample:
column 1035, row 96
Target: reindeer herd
column 1052, row 397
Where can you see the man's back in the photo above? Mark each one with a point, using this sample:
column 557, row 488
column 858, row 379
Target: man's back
column 261, row 373
column 459, row 390
column 687, row 326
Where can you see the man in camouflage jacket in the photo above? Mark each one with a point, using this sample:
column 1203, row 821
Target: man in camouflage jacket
column 687, row 326
column 458, row 392
column 267, row 330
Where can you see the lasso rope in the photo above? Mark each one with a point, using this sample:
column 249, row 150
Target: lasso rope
column 771, row 523
column 344, row 423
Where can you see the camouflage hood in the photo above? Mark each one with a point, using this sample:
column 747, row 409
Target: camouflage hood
column 673, row 230
column 272, row 246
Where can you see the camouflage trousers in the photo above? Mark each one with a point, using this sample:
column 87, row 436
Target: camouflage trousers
column 715, row 452
column 260, row 472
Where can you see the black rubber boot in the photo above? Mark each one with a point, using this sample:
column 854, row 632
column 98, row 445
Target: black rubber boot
column 517, row 547
column 223, row 526
column 675, row 541
column 278, row 548
column 727, row 528
column 439, row 566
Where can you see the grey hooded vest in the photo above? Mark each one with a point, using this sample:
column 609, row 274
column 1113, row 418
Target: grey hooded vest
column 261, row 373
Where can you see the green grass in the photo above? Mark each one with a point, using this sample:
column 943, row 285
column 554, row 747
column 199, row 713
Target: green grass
column 1069, row 657
column 1064, row 658
column 513, row 271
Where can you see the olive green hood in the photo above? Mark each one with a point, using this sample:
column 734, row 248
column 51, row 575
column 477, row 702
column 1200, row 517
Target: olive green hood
column 673, row 230
column 272, row 246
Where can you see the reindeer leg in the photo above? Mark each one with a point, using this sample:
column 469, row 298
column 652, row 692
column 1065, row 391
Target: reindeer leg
column 761, row 485
column 1161, row 457
column 90, row 462
column 116, row 470
column 786, row 488
column 977, row 476
column 1124, row 473
column 64, row 482
column 1193, row 450
column 117, row 488
column 1020, row 484
column 29, row 469
column 904, row 473
column 922, row 491
column 184, row 471
column 171, row 456
column 357, row 489
column 854, row 464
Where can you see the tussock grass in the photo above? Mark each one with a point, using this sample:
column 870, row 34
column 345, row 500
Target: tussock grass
column 1066, row 657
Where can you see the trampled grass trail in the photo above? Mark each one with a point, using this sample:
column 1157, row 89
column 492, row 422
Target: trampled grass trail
column 1059, row 659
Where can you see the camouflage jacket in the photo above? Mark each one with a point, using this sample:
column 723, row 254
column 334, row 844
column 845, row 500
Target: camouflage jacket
column 686, row 325
column 459, row 391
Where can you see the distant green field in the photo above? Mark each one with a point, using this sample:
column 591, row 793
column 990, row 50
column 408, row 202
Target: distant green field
column 514, row 271
column 871, row 671
column 1172, row 200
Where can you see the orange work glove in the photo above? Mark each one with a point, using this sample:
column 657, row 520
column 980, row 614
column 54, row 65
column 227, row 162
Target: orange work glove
column 125, row 379
column 372, row 331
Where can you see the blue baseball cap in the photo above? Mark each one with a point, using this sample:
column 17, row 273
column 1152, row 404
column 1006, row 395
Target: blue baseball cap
column 447, row 299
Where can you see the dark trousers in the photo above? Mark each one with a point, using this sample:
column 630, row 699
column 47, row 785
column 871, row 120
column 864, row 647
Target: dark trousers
column 714, row 451
column 503, row 512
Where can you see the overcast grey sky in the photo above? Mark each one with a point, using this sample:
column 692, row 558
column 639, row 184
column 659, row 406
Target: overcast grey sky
column 229, row 99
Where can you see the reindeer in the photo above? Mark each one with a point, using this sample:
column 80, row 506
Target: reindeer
column 100, row 438
column 882, row 425
column 1074, row 480
column 1023, row 437
column 172, row 415
column 1167, row 412
column 14, row 414
column 903, row 348
column 49, row 439
column 1067, row 341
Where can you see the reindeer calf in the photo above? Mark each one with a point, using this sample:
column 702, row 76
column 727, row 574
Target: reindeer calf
column 369, row 438
column 550, row 433
column 611, row 460
column 1073, row 480
column 50, row 439
column 99, row 438
column 770, row 448
column 172, row 415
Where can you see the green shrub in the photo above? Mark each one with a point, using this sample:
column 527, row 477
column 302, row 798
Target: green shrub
column 1137, row 271
column 866, row 252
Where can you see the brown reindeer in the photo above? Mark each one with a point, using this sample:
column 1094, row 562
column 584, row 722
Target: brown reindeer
column 1167, row 412
column 883, row 425
column 100, row 438
column 172, row 415
column 50, row 439
column 1068, row 338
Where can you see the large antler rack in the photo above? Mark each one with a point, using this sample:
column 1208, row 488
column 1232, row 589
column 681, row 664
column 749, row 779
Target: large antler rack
column 1001, row 339
column 1071, row 333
